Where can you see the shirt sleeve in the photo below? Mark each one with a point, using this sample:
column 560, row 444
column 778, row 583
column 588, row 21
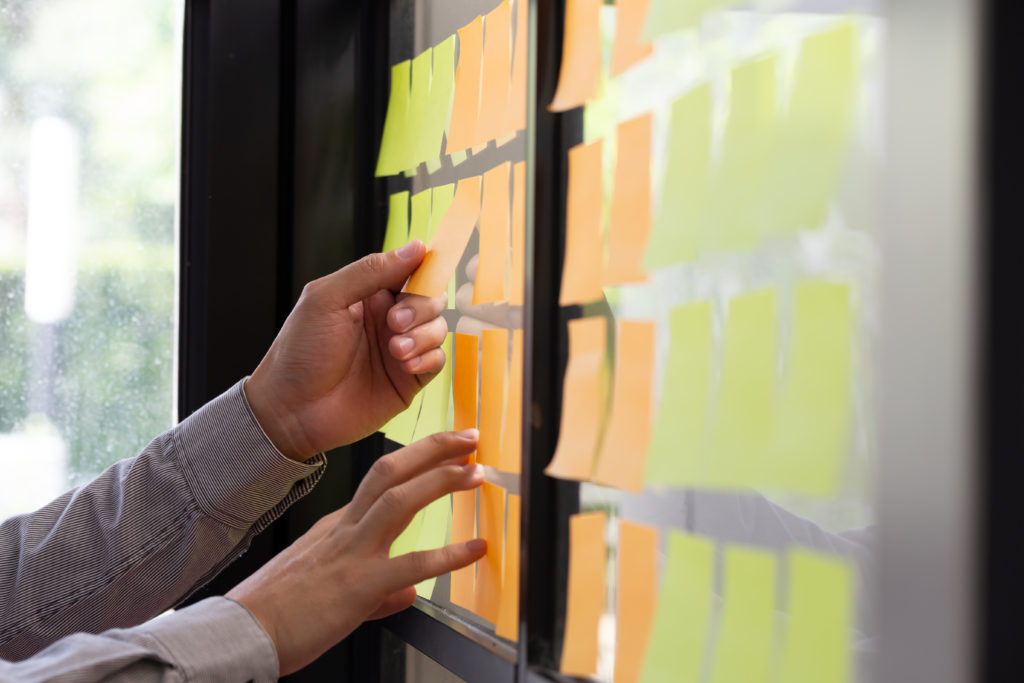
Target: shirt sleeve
column 147, row 532
column 213, row 640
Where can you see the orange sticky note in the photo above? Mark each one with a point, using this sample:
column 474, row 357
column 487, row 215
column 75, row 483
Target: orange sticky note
column 637, row 597
column 466, row 102
column 492, row 269
column 624, row 450
column 512, row 432
column 629, row 46
column 581, row 55
column 515, row 118
column 517, row 275
column 464, row 388
column 492, row 529
column 630, row 226
column 497, row 73
column 586, row 593
column 492, row 395
column 581, row 401
column 581, row 270
column 508, row 614
column 463, row 581
column 449, row 242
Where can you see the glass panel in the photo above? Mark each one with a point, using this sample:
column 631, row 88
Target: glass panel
column 90, row 95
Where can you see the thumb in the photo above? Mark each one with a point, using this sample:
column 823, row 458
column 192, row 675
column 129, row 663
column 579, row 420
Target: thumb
column 367, row 276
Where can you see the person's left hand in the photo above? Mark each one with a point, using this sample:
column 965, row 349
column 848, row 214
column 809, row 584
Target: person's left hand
column 350, row 356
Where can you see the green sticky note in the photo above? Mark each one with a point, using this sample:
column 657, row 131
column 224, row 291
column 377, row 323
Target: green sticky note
column 744, row 649
column 451, row 294
column 815, row 412
column 669, row 16
column 434, row 412
column 675, row 651
column 392, row 152
column 409, row 538
column 815, row 133
column 743, row 437
column 433, row 534
column 419, row 106
column 441, row 200
column 820, row 606
column 739, row 189
column 433, row 165
column 419, row 224
column 678, row 448
column 397, row 232
column 439, row 102
column 401, row 427
column 680, row 223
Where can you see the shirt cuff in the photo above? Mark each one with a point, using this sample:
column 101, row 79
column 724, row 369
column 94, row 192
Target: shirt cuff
column 216, row 639
column 234, row 471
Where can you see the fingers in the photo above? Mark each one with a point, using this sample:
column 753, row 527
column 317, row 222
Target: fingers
column 411, row 310
column 404, row 464
column 410, row 569
column 418, row 341
column 396, row 602
column 374, row 272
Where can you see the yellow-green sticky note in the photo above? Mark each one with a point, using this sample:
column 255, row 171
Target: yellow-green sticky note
column 442, row 196
column 675, row 651
column 451, row 293
column 680, row 222
column 391, row 160
column 408, row 540
column 433, row 532
column 433, row 165
column 744, row 649
column 434, row 412
column 397, row 232
column 458, row 157
column 743, row 437
column 820, row 609
column 815, row 134
column 815, row 413
column 419, row 223
column 419, row 105
column 439, row 102
column 401, row 427
column 679, row 443
column 669, row 16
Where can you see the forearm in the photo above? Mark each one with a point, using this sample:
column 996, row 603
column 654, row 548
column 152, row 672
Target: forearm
column 147, row 532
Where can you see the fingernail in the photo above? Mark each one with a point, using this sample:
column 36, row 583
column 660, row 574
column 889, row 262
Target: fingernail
column 476, row 545
column 468, row 434
column 409, row 250
column 403, row 318
column 404, row 344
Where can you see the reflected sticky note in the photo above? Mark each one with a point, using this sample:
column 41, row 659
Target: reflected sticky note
column 517, row 276
column 739, row 195
column 508, row 613
column 675, row 651
column 581, row 401
column 815, row 411
column 493, row 376
column 419, row 103
column 392, row 143
column 466, row 102
column 441, row 199
column 630, row 46
column 489, row 571
column 497, row 72
column 636, row 598
column 434, row 411
column 820, row 608
column 626, row 440
column 512, row 431
column 402, row 427
column 680, row 223
column 449, row 242
column 515, row 119
column 439, row 102
column 745, row 423
column 396, row 233
column 669, row 16
column 679, row 442
column 581, row 55
column 585, row 599
column 419, row 220
column 581, row 269
column 433, row 532
column 463, row 581
column 744, row 650
column 630, row 224
column 815, row 134
column 491, row 273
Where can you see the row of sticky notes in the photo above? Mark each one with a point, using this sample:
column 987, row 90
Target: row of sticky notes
column 479, row 97
column 677, row 630
column 746, row 421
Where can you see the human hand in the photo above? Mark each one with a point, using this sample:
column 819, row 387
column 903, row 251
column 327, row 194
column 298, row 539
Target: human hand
column 338, row 574
column 350, row 356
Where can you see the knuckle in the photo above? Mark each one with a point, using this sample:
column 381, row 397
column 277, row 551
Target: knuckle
column 420, row 563
column 392, row 499
column 384, row 467
column 374, row 263
column 441, row 441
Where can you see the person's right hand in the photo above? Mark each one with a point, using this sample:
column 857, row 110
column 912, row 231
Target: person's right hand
column 338, row 574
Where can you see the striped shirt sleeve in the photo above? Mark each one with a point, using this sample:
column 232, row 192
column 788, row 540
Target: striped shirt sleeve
column 147, row 532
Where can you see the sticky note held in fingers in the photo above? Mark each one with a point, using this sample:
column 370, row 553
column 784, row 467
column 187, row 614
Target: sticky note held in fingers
column 489, row 571
column 392, row 144
column 581, row 55
column 630, row 225
column 493, row 376
column 495, row 237
column 508, row 613
column 396, row 234
column 466, row 103
column 517, row 276
column 585, row 601
column 515, row 118
column 463, row 581
column 496, row 72
column 630, row 46
column 636, row 587
column 449, row 243
column 581, row 269
column 744, row 650
column 512, row 431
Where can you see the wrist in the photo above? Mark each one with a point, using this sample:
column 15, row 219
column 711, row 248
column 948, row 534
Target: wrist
column 279, row 426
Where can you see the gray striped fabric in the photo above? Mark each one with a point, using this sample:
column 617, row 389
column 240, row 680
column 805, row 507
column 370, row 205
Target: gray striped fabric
column 143, row 536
